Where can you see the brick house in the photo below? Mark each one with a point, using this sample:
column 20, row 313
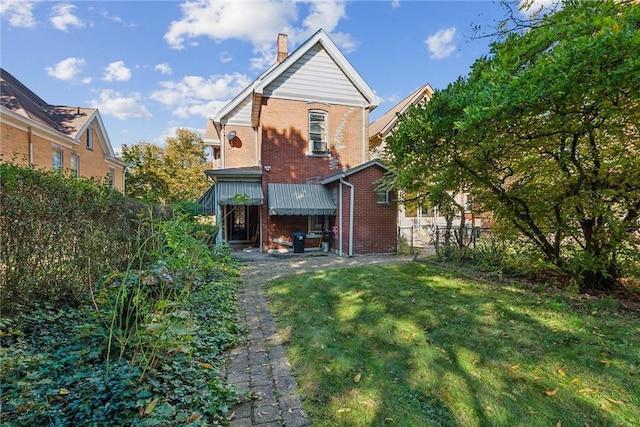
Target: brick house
column 72, row 139
column 291, row 158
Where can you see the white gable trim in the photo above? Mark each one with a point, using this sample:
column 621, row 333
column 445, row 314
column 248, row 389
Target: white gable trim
column 257, row 86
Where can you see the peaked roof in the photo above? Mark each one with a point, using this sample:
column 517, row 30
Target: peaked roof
column 69, row 121
column 256, row 88
column 379, row 128
column 336, row 176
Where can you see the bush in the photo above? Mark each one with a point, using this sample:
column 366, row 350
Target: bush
column 58, row 234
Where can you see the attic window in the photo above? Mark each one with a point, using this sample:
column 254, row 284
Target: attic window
column 89, row 139
column 318, row 132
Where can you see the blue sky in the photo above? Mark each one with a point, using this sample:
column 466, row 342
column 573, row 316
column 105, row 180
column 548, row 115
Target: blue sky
column 153, row 66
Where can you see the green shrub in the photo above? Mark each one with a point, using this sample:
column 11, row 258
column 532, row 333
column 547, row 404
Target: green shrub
column 58, row 234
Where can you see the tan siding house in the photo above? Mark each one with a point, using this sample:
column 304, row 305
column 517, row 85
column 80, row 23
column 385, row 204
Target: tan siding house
column 73, row 139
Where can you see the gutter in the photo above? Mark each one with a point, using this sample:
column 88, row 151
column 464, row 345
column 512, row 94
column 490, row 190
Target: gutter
column 352, row 190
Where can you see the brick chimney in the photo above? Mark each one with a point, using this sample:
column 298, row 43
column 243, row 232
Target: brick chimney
column 282, row 47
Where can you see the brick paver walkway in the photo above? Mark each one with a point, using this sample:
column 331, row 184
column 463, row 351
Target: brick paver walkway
column 260, row 364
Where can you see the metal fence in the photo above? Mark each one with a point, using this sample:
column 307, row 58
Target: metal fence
column 426, row 235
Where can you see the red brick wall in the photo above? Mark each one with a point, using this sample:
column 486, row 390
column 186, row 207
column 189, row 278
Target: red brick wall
column 374, row 224
column 285, row 140
column 285, row 147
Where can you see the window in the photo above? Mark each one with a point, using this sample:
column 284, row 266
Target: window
column 318, row 132
column 111, row 176
column 382, row 197
column 89, row 138
column 57, row 159
column 74, row 162
column 317, row 224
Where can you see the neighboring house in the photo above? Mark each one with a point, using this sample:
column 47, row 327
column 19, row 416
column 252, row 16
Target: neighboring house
column 414, row 221
column 40, row 135
column 291, row 156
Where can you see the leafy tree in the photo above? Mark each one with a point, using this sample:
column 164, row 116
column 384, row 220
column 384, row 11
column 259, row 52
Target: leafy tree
column 185, row 161
column 545, row 130
column 146, row 178
column 170, row 174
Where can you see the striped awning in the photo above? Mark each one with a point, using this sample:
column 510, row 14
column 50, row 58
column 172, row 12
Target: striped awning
column 239, row 193
column 300, row 199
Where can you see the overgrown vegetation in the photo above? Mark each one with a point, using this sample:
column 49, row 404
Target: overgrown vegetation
column 414, row 345
column 139, row 345
column 544, row 134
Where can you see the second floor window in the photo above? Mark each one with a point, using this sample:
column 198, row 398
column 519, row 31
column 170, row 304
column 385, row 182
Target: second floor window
column 89, row 139
column 74, row 163
column 318, row 132
column 57, row 159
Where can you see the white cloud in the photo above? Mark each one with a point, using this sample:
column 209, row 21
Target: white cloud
column 395, row 4
column 164, row 68
column 200, row 96
column 123, row 107
column 62, row 17
column 442, row 44
column 225, row 57
column 116, row 71
column 115, row 18
column 67, row 69
column 19, row 13
column 257, row 23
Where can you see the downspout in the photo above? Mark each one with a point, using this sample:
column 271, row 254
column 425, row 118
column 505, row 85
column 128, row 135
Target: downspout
column 340, row 220
column 348, row 184
column 365, row 142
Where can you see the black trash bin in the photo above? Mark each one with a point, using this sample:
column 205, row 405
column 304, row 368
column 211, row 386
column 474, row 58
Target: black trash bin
column 298, row 242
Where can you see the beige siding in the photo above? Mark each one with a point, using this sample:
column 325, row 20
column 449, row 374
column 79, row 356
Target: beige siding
column 315, row 76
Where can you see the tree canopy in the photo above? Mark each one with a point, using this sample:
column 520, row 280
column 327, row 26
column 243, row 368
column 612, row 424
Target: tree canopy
column 170, row 174
column 545, row 132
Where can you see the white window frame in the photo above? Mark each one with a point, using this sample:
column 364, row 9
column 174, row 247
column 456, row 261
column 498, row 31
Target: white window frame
column 112, row 177
column 319, row 141
column 74, row 158
column 89, row 138
column 382, row 197
column 55, row 164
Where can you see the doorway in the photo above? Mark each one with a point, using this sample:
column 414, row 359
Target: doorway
column 242, row 224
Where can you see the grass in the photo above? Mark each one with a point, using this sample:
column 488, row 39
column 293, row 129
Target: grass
column 412, row 345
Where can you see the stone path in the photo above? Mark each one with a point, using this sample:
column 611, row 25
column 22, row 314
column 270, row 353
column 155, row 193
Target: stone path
column 260, row 364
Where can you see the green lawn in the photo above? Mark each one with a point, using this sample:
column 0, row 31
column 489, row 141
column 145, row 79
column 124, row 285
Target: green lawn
column 413, row 345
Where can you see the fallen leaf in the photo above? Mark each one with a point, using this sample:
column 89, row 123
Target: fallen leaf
column 561, row 372
column 614, row 401
column 151, row 406
column 193, row 417
column 327, row 369
column 342, row 410
column 389, row 420
column 207, row 365
column 575, row 380
column 559, row 423
column 606, row 362
column 551, row 392
column 63, row 391
column 586, row 390
column 356, row 379
column 514, row 367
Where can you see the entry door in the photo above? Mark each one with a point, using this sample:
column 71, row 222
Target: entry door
column 237, row 230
